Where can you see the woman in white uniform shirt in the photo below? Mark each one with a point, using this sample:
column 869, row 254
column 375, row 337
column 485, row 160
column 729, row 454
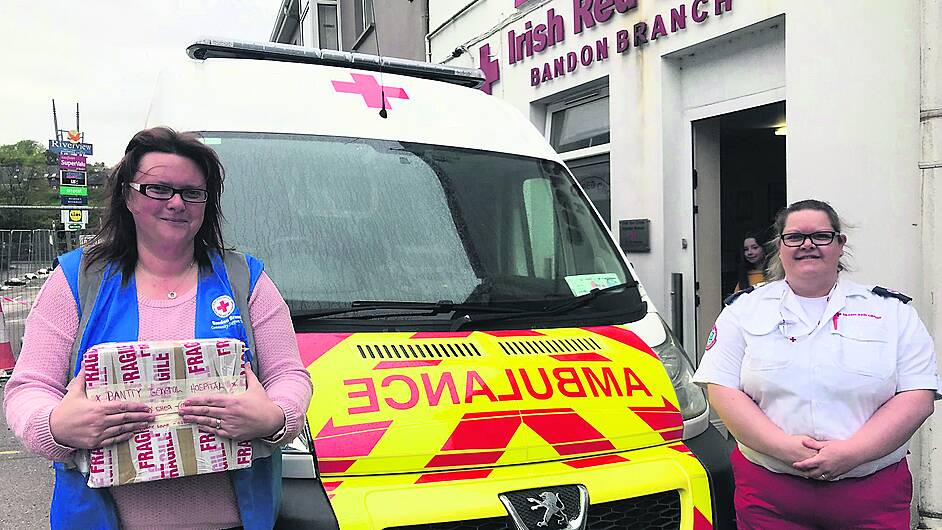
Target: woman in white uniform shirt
column 823, row 382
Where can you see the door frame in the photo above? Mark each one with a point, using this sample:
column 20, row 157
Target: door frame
column 712, row 110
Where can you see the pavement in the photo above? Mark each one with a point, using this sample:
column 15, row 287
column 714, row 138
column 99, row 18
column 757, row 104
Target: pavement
column 26, row 488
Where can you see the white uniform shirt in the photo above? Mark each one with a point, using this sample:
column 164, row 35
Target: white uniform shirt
column 821, row 378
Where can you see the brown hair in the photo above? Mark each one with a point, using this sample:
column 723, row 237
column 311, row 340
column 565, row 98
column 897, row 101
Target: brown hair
column 117, row 240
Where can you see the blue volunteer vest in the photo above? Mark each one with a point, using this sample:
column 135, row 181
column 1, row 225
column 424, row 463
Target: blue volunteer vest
column 114, row 318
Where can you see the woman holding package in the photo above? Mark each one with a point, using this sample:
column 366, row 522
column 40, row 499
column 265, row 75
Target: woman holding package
column 822, row 381
column 163, row 272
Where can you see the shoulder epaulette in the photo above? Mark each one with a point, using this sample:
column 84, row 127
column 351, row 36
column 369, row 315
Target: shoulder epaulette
column 732, row 298
column 889, row 293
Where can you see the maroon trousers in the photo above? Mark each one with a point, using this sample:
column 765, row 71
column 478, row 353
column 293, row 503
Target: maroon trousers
column 766, row 500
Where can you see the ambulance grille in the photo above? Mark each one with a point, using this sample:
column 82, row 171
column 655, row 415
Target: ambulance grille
column 424, row 350
column 549, row 346
column 659, row 511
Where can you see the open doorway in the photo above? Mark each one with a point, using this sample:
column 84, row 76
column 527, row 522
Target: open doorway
column 739, row 185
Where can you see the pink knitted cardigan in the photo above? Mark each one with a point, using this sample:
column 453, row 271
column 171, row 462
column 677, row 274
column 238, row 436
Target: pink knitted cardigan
column 39, row 380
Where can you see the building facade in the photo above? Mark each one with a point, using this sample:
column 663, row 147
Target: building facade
column 690, row 122
column 350, row 25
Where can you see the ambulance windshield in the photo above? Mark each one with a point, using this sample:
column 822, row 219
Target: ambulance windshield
column 338, row 220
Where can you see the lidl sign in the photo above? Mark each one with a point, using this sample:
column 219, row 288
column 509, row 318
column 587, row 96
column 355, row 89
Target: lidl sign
column 73, row 216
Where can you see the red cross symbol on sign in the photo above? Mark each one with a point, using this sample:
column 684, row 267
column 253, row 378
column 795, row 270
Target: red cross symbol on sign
column 223, row 306
column 489, row 66
column 375, row 95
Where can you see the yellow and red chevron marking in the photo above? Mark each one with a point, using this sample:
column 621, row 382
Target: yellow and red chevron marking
column 681, row 448
column 330, row 486
column 518, row 396
column 666, row 420
column 700, row 521
column 314, row 345
column 593, row 461
column 389, row 365
column 383, row 501
column 581, row 357
column 624, row 336
column 338, row 447
column 451, row 476
column 481, row 438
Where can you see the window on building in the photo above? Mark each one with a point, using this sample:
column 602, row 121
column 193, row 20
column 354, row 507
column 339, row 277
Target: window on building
column 579, row 122
column 305, row 11
column 327, row 28
column 593, row 174
column 364, row 14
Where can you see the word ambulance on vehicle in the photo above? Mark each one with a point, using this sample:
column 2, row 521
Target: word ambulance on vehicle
column 483, row 356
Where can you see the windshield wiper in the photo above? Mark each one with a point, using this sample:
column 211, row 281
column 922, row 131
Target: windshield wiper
column 564, row 307
column 584, row 299
column 434, row 308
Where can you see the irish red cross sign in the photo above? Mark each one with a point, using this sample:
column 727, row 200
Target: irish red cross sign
column 374, row 95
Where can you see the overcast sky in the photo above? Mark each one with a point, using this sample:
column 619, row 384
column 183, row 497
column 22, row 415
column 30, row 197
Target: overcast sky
column 104, row 55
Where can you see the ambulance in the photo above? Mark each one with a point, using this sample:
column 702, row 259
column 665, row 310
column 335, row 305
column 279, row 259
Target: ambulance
column 482, row 353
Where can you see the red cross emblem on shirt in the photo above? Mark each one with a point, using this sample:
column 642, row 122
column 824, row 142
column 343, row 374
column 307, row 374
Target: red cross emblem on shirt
column 374, row 94
column 223, row 306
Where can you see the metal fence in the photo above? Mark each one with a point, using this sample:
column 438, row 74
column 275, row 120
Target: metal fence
column 26, row 258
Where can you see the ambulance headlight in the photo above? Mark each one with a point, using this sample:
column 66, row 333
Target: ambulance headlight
column 690, row 397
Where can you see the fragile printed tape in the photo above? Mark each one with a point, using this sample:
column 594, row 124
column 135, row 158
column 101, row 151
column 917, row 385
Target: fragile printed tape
column 163, row 374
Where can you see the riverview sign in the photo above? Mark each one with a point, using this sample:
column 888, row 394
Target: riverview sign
column 533, row 40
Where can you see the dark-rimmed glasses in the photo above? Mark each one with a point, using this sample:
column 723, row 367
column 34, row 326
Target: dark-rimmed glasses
column 818, row 239
column 165, row 193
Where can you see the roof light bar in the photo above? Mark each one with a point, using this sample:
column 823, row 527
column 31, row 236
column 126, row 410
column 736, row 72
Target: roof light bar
column 211, row 48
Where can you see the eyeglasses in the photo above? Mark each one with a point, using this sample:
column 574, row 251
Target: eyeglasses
column 165, row 193
column 797, row 239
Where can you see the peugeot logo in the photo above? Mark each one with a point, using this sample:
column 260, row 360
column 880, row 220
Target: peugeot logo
column 550, row 508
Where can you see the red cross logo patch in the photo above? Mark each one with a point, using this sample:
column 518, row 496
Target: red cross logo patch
column 223, row 306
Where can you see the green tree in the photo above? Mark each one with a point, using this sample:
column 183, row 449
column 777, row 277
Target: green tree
column 29, row 175
column 26, row 179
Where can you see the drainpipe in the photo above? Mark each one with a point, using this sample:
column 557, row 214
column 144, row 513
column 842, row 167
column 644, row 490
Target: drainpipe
column 929, row 474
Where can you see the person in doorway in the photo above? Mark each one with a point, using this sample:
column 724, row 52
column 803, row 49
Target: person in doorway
column 750, row 268
column 822, row 381
column 163, row 251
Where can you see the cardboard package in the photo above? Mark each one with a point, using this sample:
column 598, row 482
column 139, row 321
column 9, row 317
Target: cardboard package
column 163, row 374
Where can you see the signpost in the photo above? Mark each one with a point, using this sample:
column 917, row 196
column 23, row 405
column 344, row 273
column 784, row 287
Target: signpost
column 72, row 178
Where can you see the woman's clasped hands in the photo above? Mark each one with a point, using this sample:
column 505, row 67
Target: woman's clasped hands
column 831, row 459
column 244, row 416
column 83, row 423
